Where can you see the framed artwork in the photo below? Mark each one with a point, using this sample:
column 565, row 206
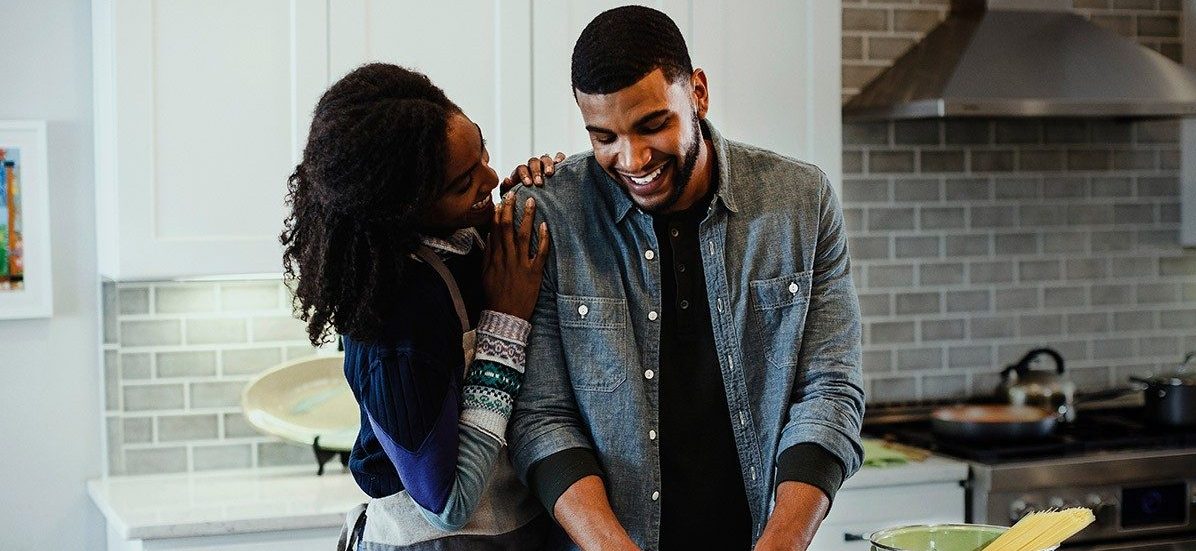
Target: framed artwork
column 26, row 286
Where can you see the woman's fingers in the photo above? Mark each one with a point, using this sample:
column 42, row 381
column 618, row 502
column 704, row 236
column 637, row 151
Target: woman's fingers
column 506, row 224
column 542, row 249
column 525, row 229
column 494, row 238
column 548, row 163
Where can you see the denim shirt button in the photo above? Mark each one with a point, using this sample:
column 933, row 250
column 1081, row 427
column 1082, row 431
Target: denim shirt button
column 649, row 374
column 649, row 254
column 651, row 435
column 720, row 305
column 583, row 310
column 793, row 288
column 655, row 496
column 653, row 315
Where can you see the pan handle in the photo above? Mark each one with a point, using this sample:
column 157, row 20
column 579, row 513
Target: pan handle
column 1143, row 380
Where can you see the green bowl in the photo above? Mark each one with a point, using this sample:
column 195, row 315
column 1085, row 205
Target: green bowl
column 937, row 537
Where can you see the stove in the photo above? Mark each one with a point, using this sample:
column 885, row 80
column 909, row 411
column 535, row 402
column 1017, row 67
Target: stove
column 1139, row 479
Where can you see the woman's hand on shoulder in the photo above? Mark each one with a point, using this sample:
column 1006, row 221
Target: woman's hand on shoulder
column 513, row 270
column 533, row 172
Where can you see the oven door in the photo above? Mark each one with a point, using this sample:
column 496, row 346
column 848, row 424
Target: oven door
column 1174, row 543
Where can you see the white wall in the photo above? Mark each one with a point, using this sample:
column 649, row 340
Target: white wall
column 49, row 377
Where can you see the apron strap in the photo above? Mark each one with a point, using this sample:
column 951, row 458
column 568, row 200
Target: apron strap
column 429, row 256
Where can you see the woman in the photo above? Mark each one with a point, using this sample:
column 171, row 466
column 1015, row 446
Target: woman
column 384, row 246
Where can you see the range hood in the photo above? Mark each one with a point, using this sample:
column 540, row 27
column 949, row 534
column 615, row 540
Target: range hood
column 1025, row 58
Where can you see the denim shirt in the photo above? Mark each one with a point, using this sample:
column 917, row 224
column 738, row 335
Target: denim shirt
column 785, row 318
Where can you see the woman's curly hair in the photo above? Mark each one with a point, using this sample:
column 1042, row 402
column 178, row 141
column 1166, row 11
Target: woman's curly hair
column 374, row 161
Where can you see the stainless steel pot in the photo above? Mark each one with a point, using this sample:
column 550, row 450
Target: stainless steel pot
column 1171, row 399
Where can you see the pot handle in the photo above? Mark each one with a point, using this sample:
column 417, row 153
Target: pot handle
column 848, row 536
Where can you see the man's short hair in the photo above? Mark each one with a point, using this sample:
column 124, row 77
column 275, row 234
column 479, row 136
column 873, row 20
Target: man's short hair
column 622, row 45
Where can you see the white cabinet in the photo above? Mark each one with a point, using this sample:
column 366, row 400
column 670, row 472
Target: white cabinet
column 202, row 107
column 477, row 51
column 773, row 68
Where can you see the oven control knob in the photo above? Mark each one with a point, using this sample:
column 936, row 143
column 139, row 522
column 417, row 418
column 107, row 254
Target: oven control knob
column 1103, row 508
column 1021, row 508
column 1060, row 503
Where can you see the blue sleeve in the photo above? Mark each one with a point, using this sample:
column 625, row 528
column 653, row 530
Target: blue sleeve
column 443, row 441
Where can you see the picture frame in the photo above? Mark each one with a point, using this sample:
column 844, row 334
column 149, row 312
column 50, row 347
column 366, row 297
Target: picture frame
column 26, row 282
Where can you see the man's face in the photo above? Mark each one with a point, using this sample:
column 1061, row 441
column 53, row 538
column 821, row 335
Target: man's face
column 647, row 136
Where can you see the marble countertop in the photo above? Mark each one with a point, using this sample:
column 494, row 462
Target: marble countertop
column 294, row 498
column 933, row 469
column 228, row 502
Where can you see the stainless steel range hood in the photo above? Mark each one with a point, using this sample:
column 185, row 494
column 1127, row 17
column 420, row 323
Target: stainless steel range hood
column 1025, row 58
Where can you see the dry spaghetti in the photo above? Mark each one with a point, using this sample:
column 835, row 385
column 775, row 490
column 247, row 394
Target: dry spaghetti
column 1042, row 530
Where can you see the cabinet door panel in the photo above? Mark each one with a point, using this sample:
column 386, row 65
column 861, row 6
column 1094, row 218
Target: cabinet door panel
column 774, row 79
column 475, row 50
column 202, row 107
column 221, row 77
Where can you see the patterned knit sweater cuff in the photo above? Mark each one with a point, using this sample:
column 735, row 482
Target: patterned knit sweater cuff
column 494, row 378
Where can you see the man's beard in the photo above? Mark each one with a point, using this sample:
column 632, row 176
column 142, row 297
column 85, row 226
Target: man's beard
column 686, row 171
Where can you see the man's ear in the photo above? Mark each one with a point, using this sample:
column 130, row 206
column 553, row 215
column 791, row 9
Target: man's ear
column 701, row 92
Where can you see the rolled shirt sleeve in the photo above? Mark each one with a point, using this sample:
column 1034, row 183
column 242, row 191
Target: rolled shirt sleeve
column 828, row 404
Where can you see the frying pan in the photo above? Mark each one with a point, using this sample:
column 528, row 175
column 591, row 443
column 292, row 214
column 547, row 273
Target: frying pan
column 993, row 422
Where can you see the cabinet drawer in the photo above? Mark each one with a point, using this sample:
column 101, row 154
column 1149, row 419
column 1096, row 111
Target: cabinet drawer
column 883, row 506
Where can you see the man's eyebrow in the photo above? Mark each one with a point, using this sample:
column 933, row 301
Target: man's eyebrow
column 642, row 120
column 657, row 113
column 481, row 138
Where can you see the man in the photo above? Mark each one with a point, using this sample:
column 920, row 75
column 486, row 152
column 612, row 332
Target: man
column 694, row 354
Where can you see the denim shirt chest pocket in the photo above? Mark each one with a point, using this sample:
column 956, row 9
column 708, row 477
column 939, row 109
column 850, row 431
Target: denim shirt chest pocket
column 594, row 330
column 779, row 315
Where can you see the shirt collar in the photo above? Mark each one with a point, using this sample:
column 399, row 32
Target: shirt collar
column 621, row 204
column 460, row 242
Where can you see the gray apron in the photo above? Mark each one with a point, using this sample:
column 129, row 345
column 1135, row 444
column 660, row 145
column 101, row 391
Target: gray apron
column 507, row 516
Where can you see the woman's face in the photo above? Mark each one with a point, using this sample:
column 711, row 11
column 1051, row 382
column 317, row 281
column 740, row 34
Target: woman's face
column 465, row 201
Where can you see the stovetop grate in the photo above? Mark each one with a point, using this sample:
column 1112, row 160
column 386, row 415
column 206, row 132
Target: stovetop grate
column 1095, row 431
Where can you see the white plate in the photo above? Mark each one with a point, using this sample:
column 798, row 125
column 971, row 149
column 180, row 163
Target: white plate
column 302, row 399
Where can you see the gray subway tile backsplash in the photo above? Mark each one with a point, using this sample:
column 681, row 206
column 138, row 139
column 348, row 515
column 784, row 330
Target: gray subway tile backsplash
column 176, row 367
column 1029, row 232
column 226, row 456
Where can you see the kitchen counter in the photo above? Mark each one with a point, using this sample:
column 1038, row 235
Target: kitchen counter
column 934, row 469
column 187, row 505
column 229, row 502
